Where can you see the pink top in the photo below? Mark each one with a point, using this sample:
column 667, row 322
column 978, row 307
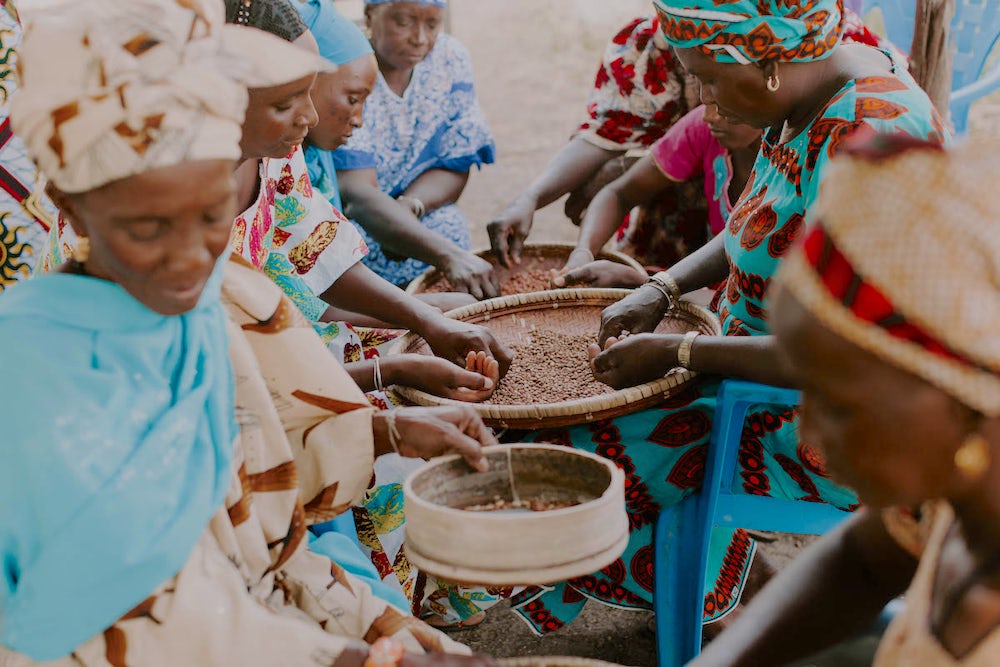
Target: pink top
column 687, row 150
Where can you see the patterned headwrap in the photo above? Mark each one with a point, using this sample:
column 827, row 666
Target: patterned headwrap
column 749, row 31
column 340, row 40
column 911, row 274
column 110, row 88
column 436, row 3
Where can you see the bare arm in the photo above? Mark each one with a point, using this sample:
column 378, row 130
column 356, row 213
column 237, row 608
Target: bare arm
column 829, row 593
column 399, row 232
column 438, row 187
column 574, row 165
column 640, row 184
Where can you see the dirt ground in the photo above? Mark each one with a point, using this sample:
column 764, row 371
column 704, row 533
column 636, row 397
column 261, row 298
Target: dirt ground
column 534, row 64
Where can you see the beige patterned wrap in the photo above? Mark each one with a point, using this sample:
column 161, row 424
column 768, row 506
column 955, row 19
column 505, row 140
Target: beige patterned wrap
column 112, row 88
column 922, row 226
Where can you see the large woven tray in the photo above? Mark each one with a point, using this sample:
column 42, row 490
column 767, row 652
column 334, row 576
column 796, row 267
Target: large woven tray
column 534, row 256
column 553, row 661
column 572, row 311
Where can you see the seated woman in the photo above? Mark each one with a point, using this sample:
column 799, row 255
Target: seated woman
column 142, row 523
column 906, row 409
column 403, row 170
column 812, row 92
column 640, row 92
column 704, row 144
column 297, row 238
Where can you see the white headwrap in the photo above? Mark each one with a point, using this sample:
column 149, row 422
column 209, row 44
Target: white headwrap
column 112, row 88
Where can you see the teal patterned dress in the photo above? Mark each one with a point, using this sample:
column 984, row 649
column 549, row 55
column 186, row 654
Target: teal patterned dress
column 663, row 450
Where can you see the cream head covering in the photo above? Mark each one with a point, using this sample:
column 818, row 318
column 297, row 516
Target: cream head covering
column 112, row 88
column 903, row 260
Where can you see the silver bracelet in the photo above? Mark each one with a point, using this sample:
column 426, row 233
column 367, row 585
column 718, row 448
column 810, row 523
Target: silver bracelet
column 662, row 290
column 684, row 349
column 668, row 282
column 415, row 205
column 378, row 375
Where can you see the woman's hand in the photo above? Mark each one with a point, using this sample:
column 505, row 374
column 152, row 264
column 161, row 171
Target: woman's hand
column 599, row 273
column 424, row 433
column 470, row 273
column 509, row 230
column 631, row 360
column 639, row 312
column 453, row 340
column 475, row 383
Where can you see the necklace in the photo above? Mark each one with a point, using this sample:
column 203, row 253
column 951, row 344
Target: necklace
column 243, row 13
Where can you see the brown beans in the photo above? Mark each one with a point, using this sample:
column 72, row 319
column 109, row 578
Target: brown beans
column 549, row 367
column 533, row 280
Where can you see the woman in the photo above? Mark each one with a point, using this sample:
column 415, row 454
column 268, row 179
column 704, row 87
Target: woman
column 640, row 92
column 907, row 411
column 812, row 93
column 702, row 143
column 404, row 169
column 311, row 251
column 135, row 532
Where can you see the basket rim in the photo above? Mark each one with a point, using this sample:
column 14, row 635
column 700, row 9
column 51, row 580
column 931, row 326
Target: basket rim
column 575, row 407
column 420, row 281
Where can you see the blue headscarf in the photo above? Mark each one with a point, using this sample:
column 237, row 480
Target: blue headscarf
column 436, row 3
column 118, row 437
column 340, row 41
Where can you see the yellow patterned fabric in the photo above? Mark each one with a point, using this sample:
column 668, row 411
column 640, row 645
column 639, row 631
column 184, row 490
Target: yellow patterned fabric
column 109, row 89
column 904, row 261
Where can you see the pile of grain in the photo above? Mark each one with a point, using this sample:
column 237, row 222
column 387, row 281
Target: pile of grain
column 532, row 504
column 549, row 367
column 532, row 280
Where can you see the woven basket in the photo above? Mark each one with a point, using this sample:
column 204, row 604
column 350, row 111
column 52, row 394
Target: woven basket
column 571, row 311
column 535, row 256
column 553, row 661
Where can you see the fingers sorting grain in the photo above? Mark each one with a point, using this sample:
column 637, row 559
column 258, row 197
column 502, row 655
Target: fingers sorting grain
column 549, row 367
column 533, row 280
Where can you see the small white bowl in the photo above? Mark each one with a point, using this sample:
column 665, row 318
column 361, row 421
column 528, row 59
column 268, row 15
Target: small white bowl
column 520, row 548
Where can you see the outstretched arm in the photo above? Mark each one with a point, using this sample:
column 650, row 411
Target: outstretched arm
column 399, row 232
column 574, row 165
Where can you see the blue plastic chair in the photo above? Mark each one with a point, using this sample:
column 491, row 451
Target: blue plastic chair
column 683, row 532
column 975, row 31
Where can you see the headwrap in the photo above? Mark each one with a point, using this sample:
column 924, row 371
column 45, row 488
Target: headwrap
column 110, row 88
column 749, row 31
column 436, row 3
column 277, row 17
column 340, row 40
column 911, row 274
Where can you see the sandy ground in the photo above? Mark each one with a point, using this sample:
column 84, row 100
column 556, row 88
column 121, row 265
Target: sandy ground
column 535, row 63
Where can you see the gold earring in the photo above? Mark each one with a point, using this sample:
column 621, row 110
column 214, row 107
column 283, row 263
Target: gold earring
column 973, row 458
column 81, row 253
column 773, row 83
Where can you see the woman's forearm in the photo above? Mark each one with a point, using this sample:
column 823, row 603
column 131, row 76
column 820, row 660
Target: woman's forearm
column 702, row 268
column 830, row 592
column 360, row 290
column 438, row 187
column 393, row 225
column 570, row 168
column 753, row 358
column 604, row 216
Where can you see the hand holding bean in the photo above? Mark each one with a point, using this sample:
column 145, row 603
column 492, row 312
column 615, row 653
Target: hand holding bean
column 627, row 361
column 599, row 273
column 639, row 312
column 423, row 433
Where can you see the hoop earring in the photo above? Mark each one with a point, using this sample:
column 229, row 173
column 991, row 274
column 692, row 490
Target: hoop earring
column 972, row 459
column 81, row 253
column 773, row 83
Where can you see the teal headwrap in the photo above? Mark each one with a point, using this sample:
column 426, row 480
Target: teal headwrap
column 340, row 41
column 749, row 31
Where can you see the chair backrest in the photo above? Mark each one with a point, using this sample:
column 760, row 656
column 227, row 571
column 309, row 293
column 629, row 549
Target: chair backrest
column 899, row 17
column 975, row 31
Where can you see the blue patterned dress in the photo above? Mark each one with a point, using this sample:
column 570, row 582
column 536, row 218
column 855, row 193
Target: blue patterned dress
column 436, row 124
column 663, row 450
